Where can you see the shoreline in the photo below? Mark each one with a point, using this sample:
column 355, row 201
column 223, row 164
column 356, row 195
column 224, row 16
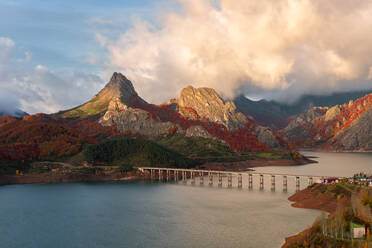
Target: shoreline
column 334, row 151
column 310, row 198
column 249, row 165
column 49, row 178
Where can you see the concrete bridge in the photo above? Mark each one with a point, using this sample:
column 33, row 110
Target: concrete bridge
column 175, row 174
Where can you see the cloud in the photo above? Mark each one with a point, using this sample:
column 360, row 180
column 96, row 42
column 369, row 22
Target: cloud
column 40, row 89
column 9, row 104
column 27, row 57
column 281, row 47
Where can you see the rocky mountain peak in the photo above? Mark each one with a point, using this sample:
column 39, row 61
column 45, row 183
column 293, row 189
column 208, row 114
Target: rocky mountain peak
column 210, row 106
column 119, row 87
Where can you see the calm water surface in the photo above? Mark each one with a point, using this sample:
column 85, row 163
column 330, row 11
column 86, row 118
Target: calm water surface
column 329, row 164
column 138, row 214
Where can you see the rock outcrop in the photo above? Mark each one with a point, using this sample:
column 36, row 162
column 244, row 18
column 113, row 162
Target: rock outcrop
column 358, row 136
column 208, row 105
column 134, row 120
column 198, row 131
column 305, row 118
column 332, row 113
column 266, row 136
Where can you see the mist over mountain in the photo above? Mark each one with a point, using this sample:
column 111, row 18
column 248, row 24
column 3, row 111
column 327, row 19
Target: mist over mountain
column 9, row 105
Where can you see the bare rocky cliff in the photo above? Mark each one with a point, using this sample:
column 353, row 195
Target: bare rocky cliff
column 358, row 136
column 208, row 105
column 134, row 120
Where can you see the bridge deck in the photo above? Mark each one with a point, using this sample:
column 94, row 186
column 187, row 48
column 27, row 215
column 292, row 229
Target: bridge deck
column 234, row 172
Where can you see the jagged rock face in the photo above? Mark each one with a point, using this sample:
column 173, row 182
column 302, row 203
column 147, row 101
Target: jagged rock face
column 357, row 137
column 210, row 106
column 119, row 87
column 299, row 130
column 266, row 136
column 198, row 131
column 135, row 120
column 307, row 117
column 332, row 113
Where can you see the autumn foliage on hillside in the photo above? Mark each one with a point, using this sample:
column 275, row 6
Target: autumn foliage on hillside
column 239, row 140
column 43, row 136
column 322, row 132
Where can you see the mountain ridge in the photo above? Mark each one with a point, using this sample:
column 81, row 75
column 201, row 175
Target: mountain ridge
column 199, row 112
column 277, row 115
column 341, row 127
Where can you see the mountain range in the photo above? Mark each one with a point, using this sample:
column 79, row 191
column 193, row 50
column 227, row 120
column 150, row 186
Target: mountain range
column 337, row 122
column 277, row 115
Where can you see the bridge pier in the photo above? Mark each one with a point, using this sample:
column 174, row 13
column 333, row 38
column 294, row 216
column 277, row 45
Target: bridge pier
column 219, row 180
column 285, row 184
column 250, row 181
column 261, row 182
column 192, row 177
column 240, row 181
column 183, row 176
column 229, row 180
column 310, row 181
column 297, row 184
column 176, row 175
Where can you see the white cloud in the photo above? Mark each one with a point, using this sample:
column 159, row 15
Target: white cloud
column 40, row 89
column 291, row 46
column 6, row 42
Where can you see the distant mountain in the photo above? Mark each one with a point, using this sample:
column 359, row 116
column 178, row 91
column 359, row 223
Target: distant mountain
column 341, row 127
column 277, row 115
column 17, row 113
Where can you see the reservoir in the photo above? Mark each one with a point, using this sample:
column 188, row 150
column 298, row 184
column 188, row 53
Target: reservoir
column 152, row 214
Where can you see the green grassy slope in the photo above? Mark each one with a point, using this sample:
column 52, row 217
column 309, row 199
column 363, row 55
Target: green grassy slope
column 138, row 152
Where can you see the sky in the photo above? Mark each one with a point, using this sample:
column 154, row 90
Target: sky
column 55, row 55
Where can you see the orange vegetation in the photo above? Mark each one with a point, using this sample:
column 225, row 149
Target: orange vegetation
column 322, row 132
column 192, row 112
column 42, row 136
